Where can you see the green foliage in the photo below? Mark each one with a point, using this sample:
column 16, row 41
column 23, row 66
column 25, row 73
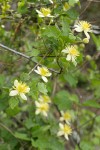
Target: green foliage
column 29, row 41
column 42, row 88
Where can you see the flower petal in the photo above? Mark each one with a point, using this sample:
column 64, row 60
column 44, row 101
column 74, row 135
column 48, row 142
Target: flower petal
column 61, row 118
column 44, row 113
column 60, row 133
column 65, row 50
column 68, row 57
column 23, row 96
column 27, row 90
column 37, row 71
column 16, row 83
column 13, row 93
column 73, row 60
column 87, row 35
column 78, row 29
column 61, row 125
column 44, row 79
column 66, row 137
column 37, row 111
column 48, row 74
column 37, row 104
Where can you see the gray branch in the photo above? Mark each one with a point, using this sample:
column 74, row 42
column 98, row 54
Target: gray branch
column 14, row 51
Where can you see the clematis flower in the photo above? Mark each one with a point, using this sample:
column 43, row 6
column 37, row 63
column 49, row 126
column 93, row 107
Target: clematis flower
column 44, row 72
column 65, row 117
column 44, row 12
column 64, row 130
column 20, row 89
column 42, row 108
column 83, row 26
column 72, row 54
column 45, row 99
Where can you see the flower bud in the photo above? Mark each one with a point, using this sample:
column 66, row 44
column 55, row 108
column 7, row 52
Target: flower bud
column 88, row 57
column 85, row 40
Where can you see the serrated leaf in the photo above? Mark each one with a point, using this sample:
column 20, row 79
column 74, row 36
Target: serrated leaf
column 52, row 32
column 44, row 142
column 62, row 100
column 91, row 103
column 42, row 88
column 24, row 76
column 13, row 112
column 22, row 136
column 13, row 102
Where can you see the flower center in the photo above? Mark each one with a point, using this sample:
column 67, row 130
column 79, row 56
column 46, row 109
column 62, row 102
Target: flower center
column 44, row 107
column 67, row 129
column 46, row 98
column 85, row 25
column 73, row 52
column 67, row 116
column 45, row 11
column 44, row 71
column 21, row 88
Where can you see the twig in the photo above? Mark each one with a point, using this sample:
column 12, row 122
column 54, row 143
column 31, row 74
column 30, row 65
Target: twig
column 27, row 57
column 81, row 126
column 88, row 4
column 14, row 51
column 6, row 128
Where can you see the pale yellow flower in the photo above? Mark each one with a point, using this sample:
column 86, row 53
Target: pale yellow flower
column 64, row 130
column 42, row 108
column 19, row 88
column 65, row 117
column 83, row 26
column 72, row 54
column 44, row 12
column 44, row 72
column 45, row 99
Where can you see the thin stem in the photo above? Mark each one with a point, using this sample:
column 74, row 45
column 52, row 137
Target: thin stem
column 7, row 129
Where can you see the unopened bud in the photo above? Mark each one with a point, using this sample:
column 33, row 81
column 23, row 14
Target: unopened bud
column 88, row 57
column 82, row 45
column 85, row 40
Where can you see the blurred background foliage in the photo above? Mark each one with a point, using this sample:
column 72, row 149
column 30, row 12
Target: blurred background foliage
column 71, row 88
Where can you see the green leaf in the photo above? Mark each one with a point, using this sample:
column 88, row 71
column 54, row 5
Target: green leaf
column 52, row 32
column 29, row 123
column 24, row 77
column 42, row 88
column 91, row 103
column 38, row 130
column 13, row 112
column 62, row 100
column 65, row 26
column 2, row 80
column 22, row 136
column 73, row 2
column 86, row 145
column 71, row 79
column 13, row 102
column 44, row 142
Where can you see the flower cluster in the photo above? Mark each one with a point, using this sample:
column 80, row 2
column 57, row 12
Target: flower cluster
column 65, row 128
column 42, row 105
